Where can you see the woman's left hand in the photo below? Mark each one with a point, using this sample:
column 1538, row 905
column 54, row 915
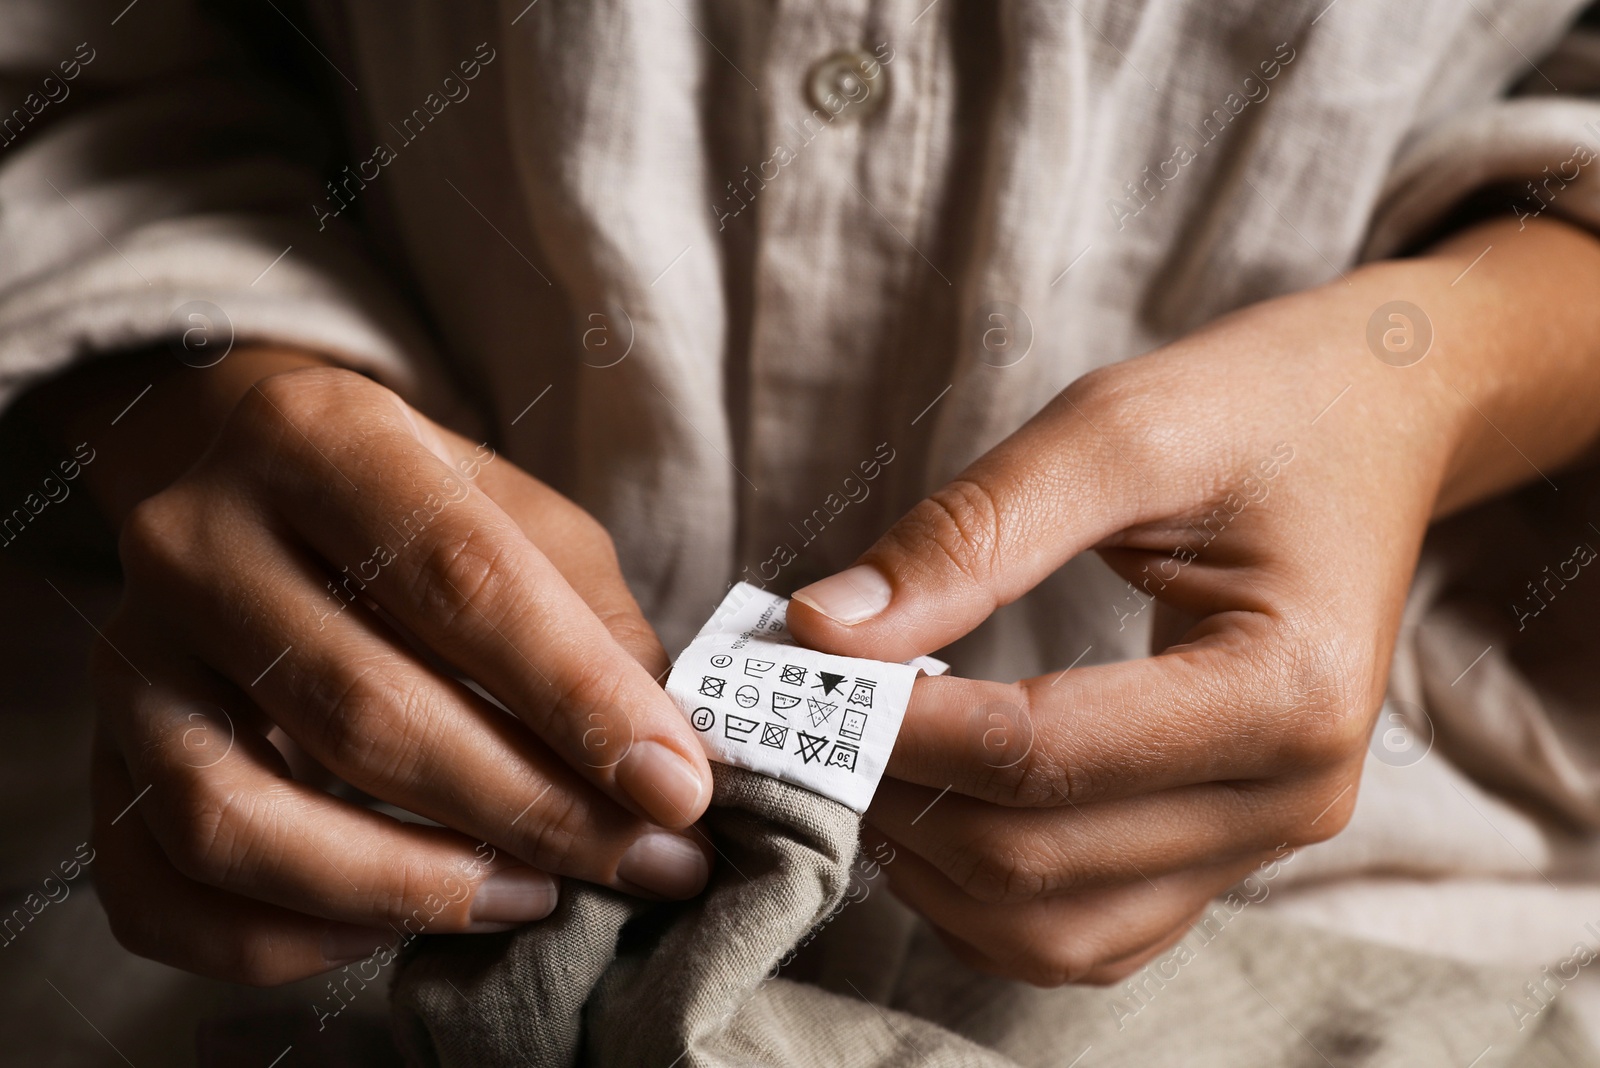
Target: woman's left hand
column 1264, row 486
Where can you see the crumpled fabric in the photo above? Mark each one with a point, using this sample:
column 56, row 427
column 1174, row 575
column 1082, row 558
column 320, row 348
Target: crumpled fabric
column 612, row 980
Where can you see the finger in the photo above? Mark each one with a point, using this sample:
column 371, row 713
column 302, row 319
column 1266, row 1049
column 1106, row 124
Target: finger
column 1114, row 971
column 446, row 561
column 1238, row 701
column 233, row 820
column 157, row 913
column 379, row 718
column 1064, row 938
column 1001, row 855
column 581, row 550
column 1051, row 490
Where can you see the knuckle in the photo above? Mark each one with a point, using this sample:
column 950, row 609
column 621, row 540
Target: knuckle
column 998, row 872
column 407, row 894
column 1036, row 779
column 960, row 521
column 591, row 687
column 630, row 630
column 373, row 722
column 290, row 407
column 1327, row 721
column 1327, row 811
column 206, row 840
column 251, row 959
column 1111, row 974
column 1056, row 961
column 466, row 574
column 150, row 543
column 561, row 837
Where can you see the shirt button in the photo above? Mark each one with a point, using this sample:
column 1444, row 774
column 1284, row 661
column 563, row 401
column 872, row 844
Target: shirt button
column 849, row 85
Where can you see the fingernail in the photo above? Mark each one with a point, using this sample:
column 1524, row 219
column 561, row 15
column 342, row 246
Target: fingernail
column 852, row 596
column 670, row 789
column 512, row 895
column 664, row 864
column 343, row 943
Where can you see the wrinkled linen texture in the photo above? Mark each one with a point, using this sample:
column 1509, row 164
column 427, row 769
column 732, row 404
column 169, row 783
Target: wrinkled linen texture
column 774, row 348
column 612, row 980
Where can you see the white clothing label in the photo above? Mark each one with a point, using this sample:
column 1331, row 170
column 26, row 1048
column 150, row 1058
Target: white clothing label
column 759, row 701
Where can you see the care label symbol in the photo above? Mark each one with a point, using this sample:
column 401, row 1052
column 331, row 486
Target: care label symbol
column 843, row 756
column 737, row 728
column 774, row 735
column 703, row 719
column 747, row 696
column 854, row 724
column 810, row 747
column 782, row 702
column 711, row 686
column 792, row 675
column 862, row 694
column 830, row 682
column 721, row 660
column 821, row 711
column 758, row 668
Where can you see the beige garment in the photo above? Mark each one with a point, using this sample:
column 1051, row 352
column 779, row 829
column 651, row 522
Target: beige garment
column 612, row 980
column 574, row 206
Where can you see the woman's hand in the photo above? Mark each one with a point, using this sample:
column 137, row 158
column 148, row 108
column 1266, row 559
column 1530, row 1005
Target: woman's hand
column 1264, row 486
column 311, row 587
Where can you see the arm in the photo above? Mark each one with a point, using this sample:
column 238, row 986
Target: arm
column 1268, row 479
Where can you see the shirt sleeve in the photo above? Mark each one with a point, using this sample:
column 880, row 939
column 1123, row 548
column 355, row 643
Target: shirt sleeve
column 152, row 186
column 1533, row 152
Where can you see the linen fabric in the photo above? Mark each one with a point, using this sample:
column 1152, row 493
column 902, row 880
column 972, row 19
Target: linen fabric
column 566, row 252
column 612, row 980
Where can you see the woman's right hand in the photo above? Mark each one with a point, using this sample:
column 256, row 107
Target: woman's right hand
column 301, row 589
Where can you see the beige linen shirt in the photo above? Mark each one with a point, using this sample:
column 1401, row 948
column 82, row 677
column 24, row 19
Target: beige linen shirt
column 637, row 246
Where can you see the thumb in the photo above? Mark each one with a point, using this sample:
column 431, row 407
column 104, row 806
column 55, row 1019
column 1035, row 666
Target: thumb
column 979, row 542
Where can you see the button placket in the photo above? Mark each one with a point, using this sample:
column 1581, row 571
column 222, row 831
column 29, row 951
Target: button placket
column 830, row 266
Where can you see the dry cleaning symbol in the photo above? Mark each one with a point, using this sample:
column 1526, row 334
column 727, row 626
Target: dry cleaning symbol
column 703, row 719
